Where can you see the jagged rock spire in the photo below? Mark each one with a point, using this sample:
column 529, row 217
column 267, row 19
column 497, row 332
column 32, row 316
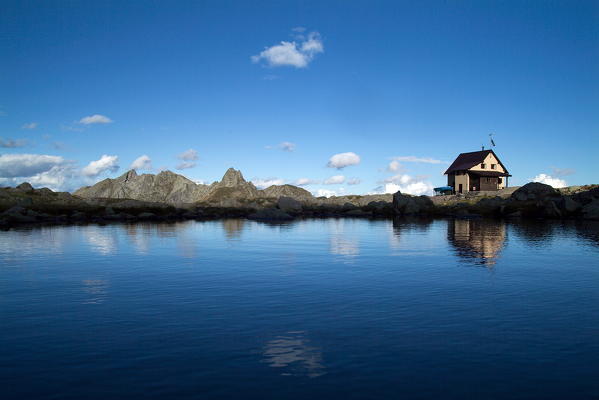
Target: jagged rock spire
column 232, row 178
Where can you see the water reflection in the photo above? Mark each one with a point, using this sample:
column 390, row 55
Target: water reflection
column 407, row 226
column 477, row 240
column 293, row 353
column 96, row 290
column 342, row 241
column 102, row 240
column 233, row 228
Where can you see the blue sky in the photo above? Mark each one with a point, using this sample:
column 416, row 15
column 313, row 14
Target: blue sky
column 277, row 89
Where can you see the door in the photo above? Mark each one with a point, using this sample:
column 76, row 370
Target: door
column 460, row 188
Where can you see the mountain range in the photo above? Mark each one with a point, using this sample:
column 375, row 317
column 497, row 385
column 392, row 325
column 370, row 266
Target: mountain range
column 171, row 188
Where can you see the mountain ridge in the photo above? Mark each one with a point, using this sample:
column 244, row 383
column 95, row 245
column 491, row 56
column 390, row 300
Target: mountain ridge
column 171, row 188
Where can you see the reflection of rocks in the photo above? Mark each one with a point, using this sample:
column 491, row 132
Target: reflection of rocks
column 477, row 240
column 233, row 227
column 408, row 224
column 294, row 355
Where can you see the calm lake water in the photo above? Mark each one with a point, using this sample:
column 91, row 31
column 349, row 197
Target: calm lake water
column 335, row 308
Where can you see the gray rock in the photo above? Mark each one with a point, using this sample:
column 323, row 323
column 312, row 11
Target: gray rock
column 270, row 214
column 287, row 204
column 591, row 210
column 534, row 191
column 568, row 205
column 15, row 210
column 78, row 216
column 551, row 210
column 411, row 205
column 358, row 213
column 25, row 187
column 146, row 215
column 277, row 191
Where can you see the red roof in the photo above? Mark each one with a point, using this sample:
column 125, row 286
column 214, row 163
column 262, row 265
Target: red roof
column 466, row 161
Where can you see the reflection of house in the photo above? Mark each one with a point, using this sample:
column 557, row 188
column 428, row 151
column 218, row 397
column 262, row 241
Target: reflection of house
column 478, row 240
column 476, row 171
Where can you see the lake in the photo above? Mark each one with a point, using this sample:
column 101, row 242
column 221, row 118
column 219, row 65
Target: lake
column 330, row 308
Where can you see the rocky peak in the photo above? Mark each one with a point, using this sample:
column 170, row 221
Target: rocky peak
column 232, row 178
column 130, row 175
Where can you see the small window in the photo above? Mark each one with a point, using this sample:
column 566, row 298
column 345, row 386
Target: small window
column 492, row 166
column 483, row 166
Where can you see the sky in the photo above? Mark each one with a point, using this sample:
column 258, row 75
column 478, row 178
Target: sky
column 340, row 97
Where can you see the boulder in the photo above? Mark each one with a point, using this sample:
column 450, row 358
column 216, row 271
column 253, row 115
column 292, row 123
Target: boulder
column 411, row 205
column 551, row 210
column 288, row 204
column 591, row 210
column 534, row 191
column 270, row 214
column 568, row 205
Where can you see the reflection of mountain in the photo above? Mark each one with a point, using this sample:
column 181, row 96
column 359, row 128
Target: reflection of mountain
column 294, row 355
column 233, row 227
column 478, row 240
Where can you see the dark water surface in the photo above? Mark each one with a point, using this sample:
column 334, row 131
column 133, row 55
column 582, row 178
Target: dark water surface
column 311, row 309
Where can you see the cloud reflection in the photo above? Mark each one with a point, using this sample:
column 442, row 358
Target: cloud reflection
column 102, row 240
column 341, row 243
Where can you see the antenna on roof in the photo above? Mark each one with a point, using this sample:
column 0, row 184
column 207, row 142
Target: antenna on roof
column 491, row 139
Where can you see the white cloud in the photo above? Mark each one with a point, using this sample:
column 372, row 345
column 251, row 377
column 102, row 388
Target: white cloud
column 11, row 144
column 287, row 146
column 142, row 163
column 105, row 163
column 354, row 181
column 406, row 184
column 563, row 171
column 59, row 177
column 185, row 165
column 40, row 170
column 549, row 180
column 335, row 180
column 188, row 158
column 343, row 160
column 31, row 125
column 189, row 155
column 264, row 183
column 394, row 166
column 293, row 54
column 325, row 193
column 306, row 181
column 24, row 165
column 427, row 160
column 95, row 119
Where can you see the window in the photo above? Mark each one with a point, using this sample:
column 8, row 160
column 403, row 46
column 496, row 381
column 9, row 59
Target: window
column 492, row 166
column 499, row 181
column 483, row 166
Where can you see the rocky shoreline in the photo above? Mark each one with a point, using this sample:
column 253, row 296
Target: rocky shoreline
column 25, row 205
